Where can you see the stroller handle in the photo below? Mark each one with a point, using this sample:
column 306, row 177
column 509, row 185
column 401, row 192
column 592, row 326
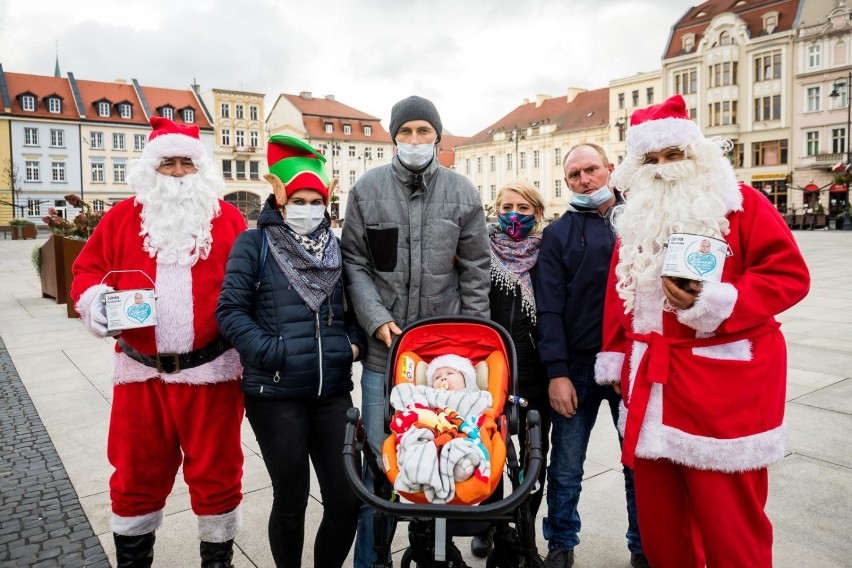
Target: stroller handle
column 481, row 512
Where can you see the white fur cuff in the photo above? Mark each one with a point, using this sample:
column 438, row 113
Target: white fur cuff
column 84, row 305
column 608, row 367
column 219, row 528
column 714, row 305
column 135, row 526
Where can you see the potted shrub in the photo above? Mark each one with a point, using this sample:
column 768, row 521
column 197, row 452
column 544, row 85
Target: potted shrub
column 22, row 228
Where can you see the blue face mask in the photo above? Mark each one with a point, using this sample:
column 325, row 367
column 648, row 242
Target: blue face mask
column 515, row 225
column 592, row 200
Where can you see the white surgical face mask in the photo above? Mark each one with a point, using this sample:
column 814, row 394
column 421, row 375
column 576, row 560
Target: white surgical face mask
column 593, row 199
column 304, row 219
column 415, row 156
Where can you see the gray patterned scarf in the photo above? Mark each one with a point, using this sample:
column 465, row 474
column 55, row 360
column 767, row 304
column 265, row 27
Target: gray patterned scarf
column 312, row 263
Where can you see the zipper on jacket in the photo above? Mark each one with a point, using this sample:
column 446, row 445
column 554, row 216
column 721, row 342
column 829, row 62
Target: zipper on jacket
column 319, row 352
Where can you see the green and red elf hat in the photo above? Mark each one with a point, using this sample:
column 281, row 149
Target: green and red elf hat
column 297, row 165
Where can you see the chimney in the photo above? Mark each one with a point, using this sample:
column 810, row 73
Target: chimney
column 526, row 101
column 329, row 98
column 121, row 81
column 306, row 95
column 539, row 99
column 573, row 92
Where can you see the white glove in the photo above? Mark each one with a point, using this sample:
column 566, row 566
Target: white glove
column 97, row 311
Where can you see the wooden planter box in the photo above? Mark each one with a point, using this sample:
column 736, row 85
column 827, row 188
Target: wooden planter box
column 57, row 256
column 23, row 232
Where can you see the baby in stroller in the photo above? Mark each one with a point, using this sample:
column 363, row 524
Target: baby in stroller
column 443, row 433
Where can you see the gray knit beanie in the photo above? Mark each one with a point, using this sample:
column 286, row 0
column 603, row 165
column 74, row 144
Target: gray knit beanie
column 414, row 108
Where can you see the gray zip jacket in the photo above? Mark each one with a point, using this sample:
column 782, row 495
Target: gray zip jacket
column 414, row 246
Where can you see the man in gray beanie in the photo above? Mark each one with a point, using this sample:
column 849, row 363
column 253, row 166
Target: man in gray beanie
column 414, row 245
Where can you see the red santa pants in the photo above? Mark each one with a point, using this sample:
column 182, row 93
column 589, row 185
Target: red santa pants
column 689, row 516
column 155, row 426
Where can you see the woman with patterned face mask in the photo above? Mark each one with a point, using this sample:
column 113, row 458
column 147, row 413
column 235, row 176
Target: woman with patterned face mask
column 282, row 306
column 515, row 241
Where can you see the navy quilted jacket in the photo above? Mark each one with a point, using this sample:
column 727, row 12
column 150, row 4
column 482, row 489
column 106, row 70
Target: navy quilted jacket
column 287, row 350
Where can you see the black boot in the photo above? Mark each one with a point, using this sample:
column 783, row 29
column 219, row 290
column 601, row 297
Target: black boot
column 134, row 551
column 217, row 554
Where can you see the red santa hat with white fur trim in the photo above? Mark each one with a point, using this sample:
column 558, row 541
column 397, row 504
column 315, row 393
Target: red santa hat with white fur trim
column 457, row 362
column 171, row 140
column 665, row 125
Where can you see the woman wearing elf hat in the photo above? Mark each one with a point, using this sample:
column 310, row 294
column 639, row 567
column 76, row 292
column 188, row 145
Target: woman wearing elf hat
column 282, row 306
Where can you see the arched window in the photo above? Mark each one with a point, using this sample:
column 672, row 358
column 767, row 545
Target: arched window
column 248, row 203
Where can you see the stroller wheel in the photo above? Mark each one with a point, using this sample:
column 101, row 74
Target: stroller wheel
column 454, row 559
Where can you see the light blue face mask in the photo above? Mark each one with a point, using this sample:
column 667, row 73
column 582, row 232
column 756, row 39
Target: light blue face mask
column 415, row 156
column 592, row 200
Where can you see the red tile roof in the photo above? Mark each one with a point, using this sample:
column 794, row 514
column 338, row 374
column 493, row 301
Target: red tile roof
column 91, row 92
column 589, row 109
column 317, row 111
column 41, row 87
column 446, row 148
column 179, row 99
column 697, row 19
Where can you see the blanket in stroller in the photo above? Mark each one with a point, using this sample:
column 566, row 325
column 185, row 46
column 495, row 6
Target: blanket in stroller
column 442, row 437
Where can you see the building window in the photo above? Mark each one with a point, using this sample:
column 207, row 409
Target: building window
column 686, row 82
column 254, row 170
column 770, row 153
column 351, row 178
column 328, row 128
column 557, row 188
column 28, row 103
column 368, row 131
column 767, row 66
column 138, row 142
column 168, row 112
column 812, row 96
column 493, row 192
column 380, row 152
column 335, row 174
column 812, row 143
column 688, row 42
column 722, row 74
column 523, row 161
column 841, row 99
column 30, row 136
column 767, row 108
column 557, row 156
column 635, row 97
column 509, row 162
column 58, row 171
column 54, row 105
column 240, row 138
column 840, row 56
column 226, row 169
column 770, row 22
column 97, row 172
column 254, row 138
column 118, row 141
column 252, row 112
column 125, row 110
column 98, row 206
column 351, row 151
column 814, row 56
column 119, row 171
column 225, row 110
column 188, row 115
column 536, row 159
column 479, row 165
column 239, row 109
column 103, row 108
column 32, row 171
column 33, row 208
column 226, row 137
column 347, row 129
column 725, row 38
column 241, row 169
column 723, row 113
column 649, row 95
column 621, row 100
column 335, row 150
column 97, row 139
column 738, row 155
column 838, row 141
column 57, row 138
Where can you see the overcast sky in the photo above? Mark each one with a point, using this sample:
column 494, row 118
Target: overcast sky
column 475, row 59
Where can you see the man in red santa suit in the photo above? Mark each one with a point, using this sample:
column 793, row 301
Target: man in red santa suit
column 176, row 390
column 701, row 365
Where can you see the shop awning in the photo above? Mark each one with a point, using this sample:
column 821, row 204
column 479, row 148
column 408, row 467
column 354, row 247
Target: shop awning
column 838, row 188
column 811, row 187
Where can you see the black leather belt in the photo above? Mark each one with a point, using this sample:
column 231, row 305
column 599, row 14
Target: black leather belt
column 173, row 362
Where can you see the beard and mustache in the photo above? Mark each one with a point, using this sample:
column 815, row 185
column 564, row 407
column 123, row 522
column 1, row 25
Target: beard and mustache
column 678, row 197
column 177, row 212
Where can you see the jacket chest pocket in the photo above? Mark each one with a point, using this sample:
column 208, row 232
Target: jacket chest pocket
column 383, row 243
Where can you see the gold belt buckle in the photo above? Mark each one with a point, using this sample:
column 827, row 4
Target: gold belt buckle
column 159, row 359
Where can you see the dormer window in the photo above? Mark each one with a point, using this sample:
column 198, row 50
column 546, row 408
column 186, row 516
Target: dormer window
column 188, row 115
column 54, row 105
column 725, row 38
column 167, row 112
column 770, row 22
column 328, row 128
column 125, row 110
column 347, row 129
column 688, row 43
column 368, row 131
column 28, row 103
column 103, row 108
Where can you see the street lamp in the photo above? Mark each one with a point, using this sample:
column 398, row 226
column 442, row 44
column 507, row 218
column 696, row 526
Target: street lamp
column 517, row 135
column 834, row 94
column 620, row 123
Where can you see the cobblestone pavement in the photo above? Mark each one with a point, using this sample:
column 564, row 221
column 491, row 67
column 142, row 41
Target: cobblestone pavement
column 41, row 520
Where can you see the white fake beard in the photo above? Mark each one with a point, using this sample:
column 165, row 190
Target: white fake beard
column 177, row 213
column 684, row 196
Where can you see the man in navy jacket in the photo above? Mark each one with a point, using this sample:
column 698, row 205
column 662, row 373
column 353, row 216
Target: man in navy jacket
column 573, row 266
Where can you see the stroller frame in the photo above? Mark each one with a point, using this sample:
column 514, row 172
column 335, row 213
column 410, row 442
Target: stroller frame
column 429, row 544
